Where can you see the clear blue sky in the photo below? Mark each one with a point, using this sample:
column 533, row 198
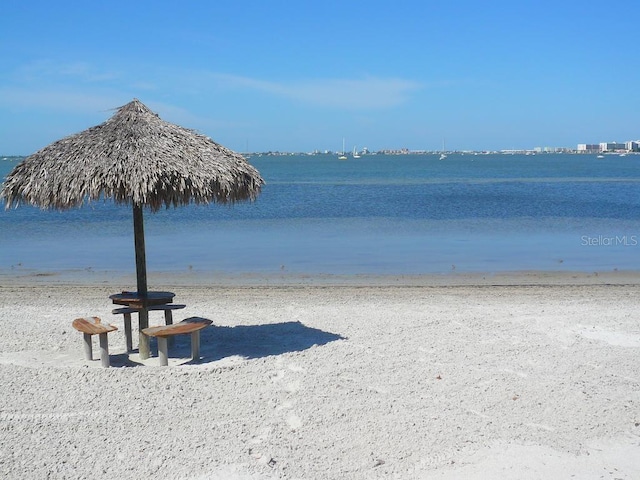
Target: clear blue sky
column 301, row 75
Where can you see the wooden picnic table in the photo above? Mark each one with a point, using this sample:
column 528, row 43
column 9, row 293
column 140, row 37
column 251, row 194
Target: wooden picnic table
column 142, row 302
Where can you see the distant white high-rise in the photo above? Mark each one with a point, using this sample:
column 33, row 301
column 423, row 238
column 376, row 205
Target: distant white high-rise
column 611, row 146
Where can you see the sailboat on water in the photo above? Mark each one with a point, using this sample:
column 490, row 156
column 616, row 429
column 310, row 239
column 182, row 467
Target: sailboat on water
column 443, row 155
column 355, row 153
column 342, row 155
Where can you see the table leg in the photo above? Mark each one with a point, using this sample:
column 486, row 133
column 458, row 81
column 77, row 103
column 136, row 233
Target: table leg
column 143, row 345
column 168, row 320
column 127, row 332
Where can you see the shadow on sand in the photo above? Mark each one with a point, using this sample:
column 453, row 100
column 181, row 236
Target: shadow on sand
column 256, row 341
column 247, row 341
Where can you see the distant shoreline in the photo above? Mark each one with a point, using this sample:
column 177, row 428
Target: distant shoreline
column 121, row 280
column 400, row 152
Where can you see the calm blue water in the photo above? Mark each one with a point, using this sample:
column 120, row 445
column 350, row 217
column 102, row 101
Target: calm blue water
column 376, row 214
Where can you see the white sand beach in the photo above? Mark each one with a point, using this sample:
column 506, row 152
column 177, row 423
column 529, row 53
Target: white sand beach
column 523, row 377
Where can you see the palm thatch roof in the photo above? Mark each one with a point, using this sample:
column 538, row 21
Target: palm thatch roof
column 134, row 158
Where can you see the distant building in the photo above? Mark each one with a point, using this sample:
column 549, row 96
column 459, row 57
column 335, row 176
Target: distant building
column 611, row 146
column 633, row 146
column 588, row 148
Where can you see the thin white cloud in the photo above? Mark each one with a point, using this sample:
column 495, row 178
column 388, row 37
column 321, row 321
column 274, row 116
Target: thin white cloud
column 185, row 118
column 365, row 93
column 87, row 73
column 62, row 100
column 59, row 71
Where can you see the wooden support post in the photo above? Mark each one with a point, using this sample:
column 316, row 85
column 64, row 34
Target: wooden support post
column 141, row 257
column 163, row 351
column 104, row 350
column 127, row 332
column 141, row 277
column 88, row 351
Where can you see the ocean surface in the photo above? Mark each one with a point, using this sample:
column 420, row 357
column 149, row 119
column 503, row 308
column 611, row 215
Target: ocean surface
column 409, row 214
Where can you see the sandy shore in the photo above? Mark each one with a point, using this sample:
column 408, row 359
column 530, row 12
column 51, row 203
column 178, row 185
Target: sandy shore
column 516, row 379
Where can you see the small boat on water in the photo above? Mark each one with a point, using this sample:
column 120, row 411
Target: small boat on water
column 443, row 155
column 342, row 155
column 600, row 156
column 355, row 153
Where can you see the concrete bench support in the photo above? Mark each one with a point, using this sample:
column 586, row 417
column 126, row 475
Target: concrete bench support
column 93, row 326
column 191, row 325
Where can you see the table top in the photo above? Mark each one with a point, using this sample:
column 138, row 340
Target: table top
column 136, row 300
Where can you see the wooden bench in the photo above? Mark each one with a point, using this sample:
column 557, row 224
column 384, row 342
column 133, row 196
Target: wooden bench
column 94, row 326
column 127, row 311
column 191, row 325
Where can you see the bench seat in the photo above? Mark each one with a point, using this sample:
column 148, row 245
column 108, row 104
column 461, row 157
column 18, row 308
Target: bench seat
column 93, row 326
column 191, row 325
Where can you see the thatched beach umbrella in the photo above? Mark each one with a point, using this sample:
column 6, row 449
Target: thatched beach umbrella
column 135, row 158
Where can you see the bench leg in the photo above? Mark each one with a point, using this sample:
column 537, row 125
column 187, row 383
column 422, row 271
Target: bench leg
column 195, row 345
column 88, row 353
column 163, row 351
column 104, row 350
column 127, row 332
